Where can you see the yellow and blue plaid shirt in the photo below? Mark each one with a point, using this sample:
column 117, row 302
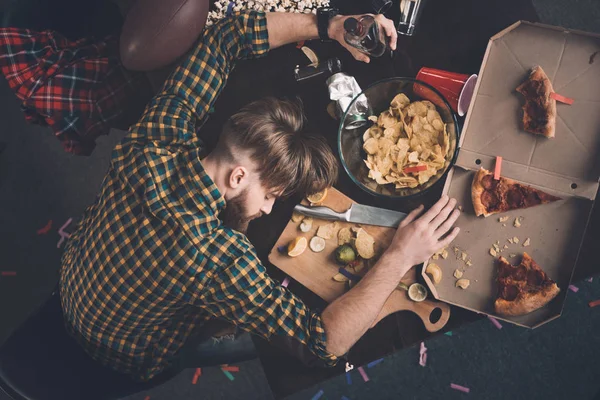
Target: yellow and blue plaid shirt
column 150, row 261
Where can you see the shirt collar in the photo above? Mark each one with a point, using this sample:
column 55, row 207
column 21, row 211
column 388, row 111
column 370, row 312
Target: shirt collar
column 208, row 189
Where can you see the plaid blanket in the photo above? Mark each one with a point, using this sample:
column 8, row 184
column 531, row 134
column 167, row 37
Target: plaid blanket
column 79, row 88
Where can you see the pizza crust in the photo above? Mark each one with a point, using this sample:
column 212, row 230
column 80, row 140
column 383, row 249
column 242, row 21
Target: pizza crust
column 477, row 190
column 549, row 104
column 526, row 303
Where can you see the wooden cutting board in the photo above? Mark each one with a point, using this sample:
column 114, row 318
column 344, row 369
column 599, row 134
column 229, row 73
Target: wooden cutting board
column 315, row 270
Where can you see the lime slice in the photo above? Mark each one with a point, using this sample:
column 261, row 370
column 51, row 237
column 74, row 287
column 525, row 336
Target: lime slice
column 417, row 292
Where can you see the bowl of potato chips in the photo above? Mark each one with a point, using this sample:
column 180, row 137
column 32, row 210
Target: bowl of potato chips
column 409, row 143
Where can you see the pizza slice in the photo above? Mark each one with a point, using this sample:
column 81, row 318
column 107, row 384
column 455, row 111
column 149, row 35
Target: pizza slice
column 524, row 288
column 492, row 196
column 539, row 111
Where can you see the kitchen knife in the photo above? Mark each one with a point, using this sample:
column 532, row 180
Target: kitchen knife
column 357, row 213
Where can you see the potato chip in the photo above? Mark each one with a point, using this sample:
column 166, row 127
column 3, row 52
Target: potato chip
column 406, row 135
column 373, row 118
column 297, row 217
column 371, row 146
column 344, row 236
column 365, row 244
column 327, row 231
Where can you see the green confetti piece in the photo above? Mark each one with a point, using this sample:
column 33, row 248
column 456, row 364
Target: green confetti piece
column 229, row 375
column 449, row 333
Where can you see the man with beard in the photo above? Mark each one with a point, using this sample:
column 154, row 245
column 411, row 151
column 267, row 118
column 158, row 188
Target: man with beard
column 161, row 255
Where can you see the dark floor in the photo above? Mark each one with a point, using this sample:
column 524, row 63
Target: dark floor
column 560, row 360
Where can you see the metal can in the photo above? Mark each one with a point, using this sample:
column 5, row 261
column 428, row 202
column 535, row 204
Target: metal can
column 343, row 89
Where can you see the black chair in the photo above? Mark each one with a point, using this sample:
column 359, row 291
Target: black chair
column 40, row 361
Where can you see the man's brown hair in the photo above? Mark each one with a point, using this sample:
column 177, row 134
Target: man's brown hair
column 289, row 159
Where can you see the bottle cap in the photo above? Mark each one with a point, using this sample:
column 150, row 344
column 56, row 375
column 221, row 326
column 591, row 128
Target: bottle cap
column 351, row 25
column 381, row 6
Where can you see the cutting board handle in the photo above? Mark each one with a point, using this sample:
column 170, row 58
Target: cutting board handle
column 423, row 309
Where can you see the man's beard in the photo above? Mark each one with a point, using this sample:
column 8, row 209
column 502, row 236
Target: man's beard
column 235, row 215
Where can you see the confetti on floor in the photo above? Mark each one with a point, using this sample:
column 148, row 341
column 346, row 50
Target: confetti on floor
column 147, row 398
column 348, row 378
column 590, row 279
column 286, row 281
column 228, row 375
column 460, row 388
column 594, row 303
column 363, row 374
column 449, row 333
column 197, row 374
column 345, row 398
column 8, row 273
column 374, row 363
column 422, row 355
column 45, row 229
column 63, row 235
column 318, row 395
column 495, row 322
column 230, row 368
column 574, row 288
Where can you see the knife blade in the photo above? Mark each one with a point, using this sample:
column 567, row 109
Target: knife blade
column 357, row 213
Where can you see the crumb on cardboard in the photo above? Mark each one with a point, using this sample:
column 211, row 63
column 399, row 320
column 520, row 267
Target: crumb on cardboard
column 517, row 222
column 493, row 252
column 527, row 242
column 515, row 239
column 463, row 256
column 511, row 240
column 444, row 254
column 469, row 263
column 458, row 273
column 503, row 219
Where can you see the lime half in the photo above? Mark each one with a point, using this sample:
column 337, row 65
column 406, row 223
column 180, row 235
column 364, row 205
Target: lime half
column 417, row 292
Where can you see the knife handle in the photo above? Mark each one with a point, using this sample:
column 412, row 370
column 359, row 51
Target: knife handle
column 322, row 212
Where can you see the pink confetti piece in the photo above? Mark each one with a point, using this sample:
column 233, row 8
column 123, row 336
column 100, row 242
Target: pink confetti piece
column 147, row 398
column 423, row 355
column 286, row 281
column 459, row 387
column 62, row 228
column 363, row 374
column 590, row 279
column 45, row 229
column 8, row 273
column 574, row 288
column 62, row 239
column 495, row 322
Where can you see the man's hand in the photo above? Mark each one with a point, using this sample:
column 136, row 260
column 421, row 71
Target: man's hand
column 336, row 32
column 417, row 238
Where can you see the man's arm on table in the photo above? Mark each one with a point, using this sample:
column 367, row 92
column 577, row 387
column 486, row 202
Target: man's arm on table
column 244, row 294
column 171, row 117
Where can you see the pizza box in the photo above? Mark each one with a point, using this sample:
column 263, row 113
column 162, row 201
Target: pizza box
column 567, row 165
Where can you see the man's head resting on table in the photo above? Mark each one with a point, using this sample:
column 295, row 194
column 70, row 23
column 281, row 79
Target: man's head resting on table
column 264, row 153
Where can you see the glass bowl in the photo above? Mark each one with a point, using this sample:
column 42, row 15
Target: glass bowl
column 379, row 96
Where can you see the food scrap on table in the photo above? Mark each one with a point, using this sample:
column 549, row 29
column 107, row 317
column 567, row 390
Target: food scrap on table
column 417, row 292
column 297, row 246
column 434, row 272
column 318, row 197
column 527, row 242
column 327, row 231
column 297, row 217
column 463, row 283
column 517, row 223
column 458, row 273
column 306, row 224
column 344, row 236
column 407, row 145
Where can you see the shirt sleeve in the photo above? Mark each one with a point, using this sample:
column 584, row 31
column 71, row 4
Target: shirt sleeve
column 241, row 292
column 172, row 116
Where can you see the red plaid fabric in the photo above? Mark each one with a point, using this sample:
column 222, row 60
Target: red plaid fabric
column 79, row 89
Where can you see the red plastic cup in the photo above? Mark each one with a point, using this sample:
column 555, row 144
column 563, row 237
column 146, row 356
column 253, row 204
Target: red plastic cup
column 456, row 88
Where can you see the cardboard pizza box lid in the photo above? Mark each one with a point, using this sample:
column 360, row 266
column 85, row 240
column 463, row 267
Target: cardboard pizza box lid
column 567, row 165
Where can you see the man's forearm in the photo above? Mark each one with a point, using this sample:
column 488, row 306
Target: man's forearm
column 287, row 28
column 349, row 317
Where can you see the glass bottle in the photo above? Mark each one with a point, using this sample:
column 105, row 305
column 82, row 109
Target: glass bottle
column 365, row 35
